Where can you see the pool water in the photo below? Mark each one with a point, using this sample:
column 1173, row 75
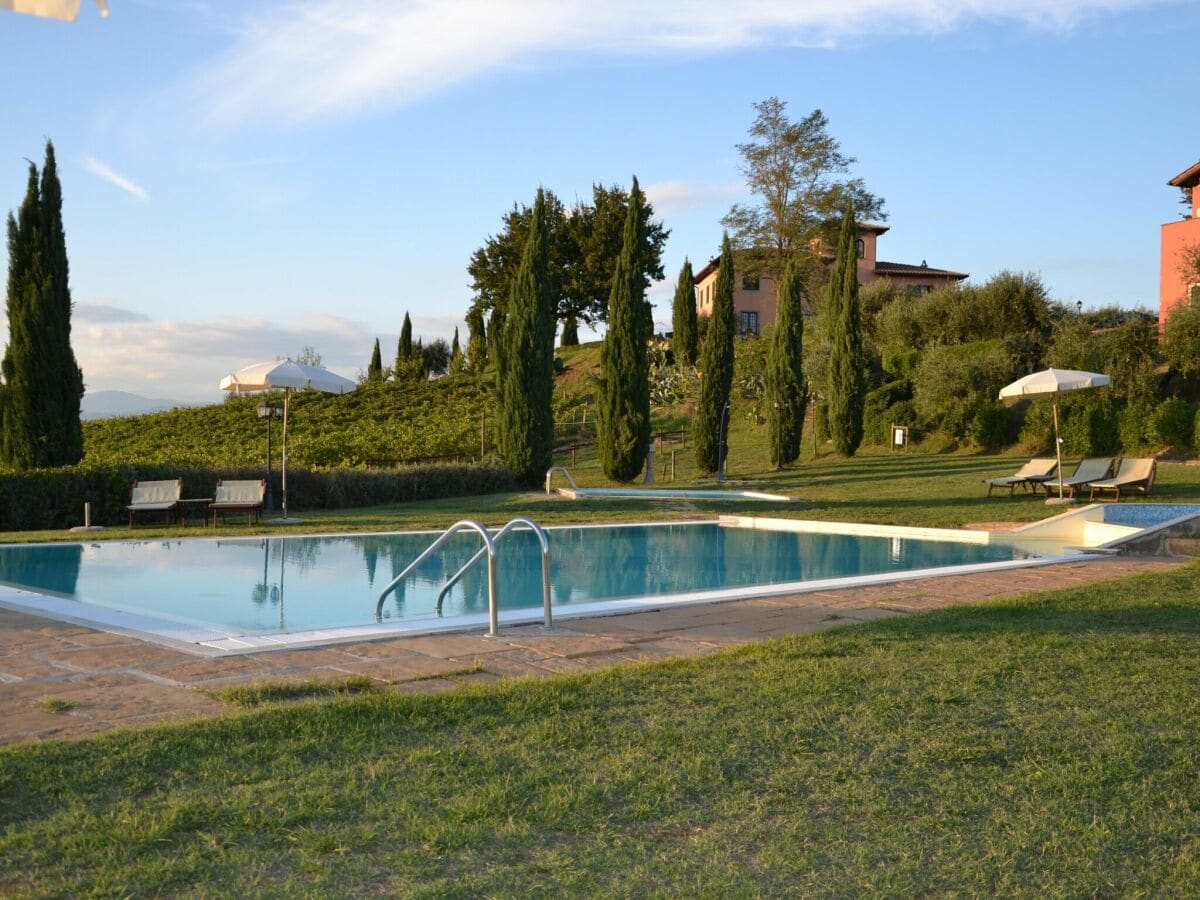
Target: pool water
column 277, row 585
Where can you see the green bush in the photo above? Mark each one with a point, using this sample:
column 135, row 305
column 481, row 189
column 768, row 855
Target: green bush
column 991, row 426
column 1136, row 426
column 952, row 382
column 880, row 408
column 54, row 498
column 1173, row 422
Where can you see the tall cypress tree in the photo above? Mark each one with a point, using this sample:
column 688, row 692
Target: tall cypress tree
column 716, row 365
column 683, row 317
column 785, row 395
column 623, row 407
column 477, row 350
column 457, row 363
column 526, row 372
column 404, row 349
column 375, row 366
column 21, row 440
column 64, row 384
column 846, row 390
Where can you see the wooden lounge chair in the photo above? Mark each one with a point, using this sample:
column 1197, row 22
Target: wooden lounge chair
column 238, row 496
column 1034, row 472
column 1133, row 475
column 1088, row 470
column 155, row 496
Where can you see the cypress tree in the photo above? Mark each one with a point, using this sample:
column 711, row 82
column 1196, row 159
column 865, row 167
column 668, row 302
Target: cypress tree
column 456, row 355
column 20, row 441
column 476, row 341
column 785, row 394
column 570, row 332
column 404, row 350
column 846, row 390
column 375, row 366
column 64, row 378
column 623, row 405
column 716, row 365
column 526, row 370
column 683, row 317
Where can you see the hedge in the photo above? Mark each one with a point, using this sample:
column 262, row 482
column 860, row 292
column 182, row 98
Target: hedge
column 54, row 498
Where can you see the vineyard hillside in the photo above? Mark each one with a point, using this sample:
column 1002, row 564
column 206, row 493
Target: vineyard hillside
column 376, row 424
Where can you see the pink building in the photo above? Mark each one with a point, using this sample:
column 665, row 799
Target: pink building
column 1176, row 282
column 755, row 296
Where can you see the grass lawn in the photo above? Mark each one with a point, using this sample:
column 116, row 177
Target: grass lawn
column 1046, row 745
column 925, row 489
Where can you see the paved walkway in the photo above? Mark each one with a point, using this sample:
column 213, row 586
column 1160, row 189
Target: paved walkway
column 60, row 680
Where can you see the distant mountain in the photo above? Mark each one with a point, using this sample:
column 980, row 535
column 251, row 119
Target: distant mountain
column 106, row 404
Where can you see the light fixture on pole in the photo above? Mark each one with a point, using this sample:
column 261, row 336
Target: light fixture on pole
column 268, row 411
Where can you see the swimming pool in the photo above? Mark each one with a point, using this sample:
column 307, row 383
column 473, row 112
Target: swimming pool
column 228, row 593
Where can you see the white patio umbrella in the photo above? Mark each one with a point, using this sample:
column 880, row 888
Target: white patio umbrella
column 1054, row 382
column 67, row 10
column 288, row 376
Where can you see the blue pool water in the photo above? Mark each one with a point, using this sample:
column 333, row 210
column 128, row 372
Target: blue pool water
column 1147, row 515
column 274, row 585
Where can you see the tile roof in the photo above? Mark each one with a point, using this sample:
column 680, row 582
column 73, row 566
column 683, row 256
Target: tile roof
column 1187, row 178
column 891, row 268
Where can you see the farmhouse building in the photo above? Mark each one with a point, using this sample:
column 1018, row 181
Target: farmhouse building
column 1180, row 241
column 755, row 296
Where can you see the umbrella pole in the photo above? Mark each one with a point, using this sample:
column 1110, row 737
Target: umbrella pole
column 1057, row 448
column 287, row 393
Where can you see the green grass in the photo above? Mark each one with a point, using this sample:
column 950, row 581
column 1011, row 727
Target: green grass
column 919, row 489
column 1041, row 746
column 265, row 692
column 57, row 705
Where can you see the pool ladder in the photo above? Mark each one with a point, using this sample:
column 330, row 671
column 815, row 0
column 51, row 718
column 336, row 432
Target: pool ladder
column 489, row 548
column 566, row 474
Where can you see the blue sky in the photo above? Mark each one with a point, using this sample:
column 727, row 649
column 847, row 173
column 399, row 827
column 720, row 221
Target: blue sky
column 242, row 180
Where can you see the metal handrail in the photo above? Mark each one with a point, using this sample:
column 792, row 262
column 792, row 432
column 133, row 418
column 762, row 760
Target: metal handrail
column 571, row 481
column 547, row 615
column 488, row 546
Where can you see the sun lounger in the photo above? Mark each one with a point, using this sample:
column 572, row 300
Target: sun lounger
column 238, row 496
column 1034, row 472
column 1086, row 472
column 155, row 496
column 1133, row 475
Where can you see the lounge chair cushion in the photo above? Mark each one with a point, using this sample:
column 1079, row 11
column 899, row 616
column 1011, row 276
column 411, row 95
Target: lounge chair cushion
column 1035, row 469
column 240, row 494
column 1132, row 473
column 155, row 495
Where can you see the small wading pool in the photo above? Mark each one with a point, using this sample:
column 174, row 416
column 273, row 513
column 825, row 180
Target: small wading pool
column 242, row 593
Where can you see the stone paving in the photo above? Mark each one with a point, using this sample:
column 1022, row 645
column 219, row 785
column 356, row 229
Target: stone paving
column 61, row 680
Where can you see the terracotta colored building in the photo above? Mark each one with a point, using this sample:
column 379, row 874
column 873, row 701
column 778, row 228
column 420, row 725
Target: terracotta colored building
column 755, row 296
column 1175, row 283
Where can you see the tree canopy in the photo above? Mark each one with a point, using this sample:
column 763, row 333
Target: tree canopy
column 793, row 170
column 582, row 246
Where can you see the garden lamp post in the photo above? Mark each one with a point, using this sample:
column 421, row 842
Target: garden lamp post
column 268, row 411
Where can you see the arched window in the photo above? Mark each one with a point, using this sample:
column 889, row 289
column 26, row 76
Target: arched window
column 860, row 248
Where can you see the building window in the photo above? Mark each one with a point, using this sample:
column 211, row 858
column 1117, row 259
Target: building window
column 860, row 248
column 749, row 282
column 922, row 288
column 749, row 322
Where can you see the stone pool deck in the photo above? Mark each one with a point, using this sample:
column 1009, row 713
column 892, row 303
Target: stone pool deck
column 60, row 680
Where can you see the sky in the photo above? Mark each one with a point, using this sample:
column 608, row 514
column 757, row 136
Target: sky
column 243, row 180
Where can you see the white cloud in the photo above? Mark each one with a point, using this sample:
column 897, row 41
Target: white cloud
column 183, row 361
column 673, row 198
column 308, row 60
column 106, row 173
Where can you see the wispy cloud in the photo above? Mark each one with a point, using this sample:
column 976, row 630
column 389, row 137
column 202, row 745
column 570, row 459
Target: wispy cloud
column 116, row 179
column 307, row 60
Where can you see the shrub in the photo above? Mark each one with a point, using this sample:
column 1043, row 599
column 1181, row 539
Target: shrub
column 1136, row 426
column 879, row 410
column 1090, row 428
column 990, row 426
column 952, row 382
column 54, row 498
column 1173, row 422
